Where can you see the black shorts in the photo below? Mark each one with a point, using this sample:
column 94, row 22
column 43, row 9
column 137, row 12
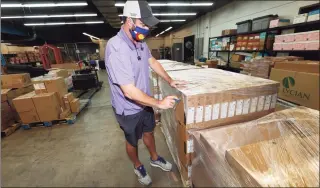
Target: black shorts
column 135, row 125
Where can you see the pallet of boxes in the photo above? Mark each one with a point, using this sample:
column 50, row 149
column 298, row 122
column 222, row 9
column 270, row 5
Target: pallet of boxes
column 50, row 102
column 168, row 66
column 12, row 86
column 214, row 136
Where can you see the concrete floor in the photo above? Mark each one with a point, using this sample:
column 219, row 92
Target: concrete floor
column 90, row 153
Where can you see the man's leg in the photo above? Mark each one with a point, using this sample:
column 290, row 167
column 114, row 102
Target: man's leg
column 133, row 154
column 148, row 139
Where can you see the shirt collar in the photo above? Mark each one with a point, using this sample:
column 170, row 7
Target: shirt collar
column 124, row 37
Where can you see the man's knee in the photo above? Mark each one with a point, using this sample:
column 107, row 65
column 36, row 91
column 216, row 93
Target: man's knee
column 148, row 133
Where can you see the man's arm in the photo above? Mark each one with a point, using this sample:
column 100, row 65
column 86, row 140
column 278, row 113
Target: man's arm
column 157, row 67
column 133, row 93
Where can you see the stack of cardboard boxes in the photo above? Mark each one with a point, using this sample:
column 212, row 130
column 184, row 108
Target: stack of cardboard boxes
column 12, row 86
column 46, row 103
column 297, row 41
column 211, row 98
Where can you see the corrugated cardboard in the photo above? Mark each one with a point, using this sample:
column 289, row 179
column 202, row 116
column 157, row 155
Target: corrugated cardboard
column 75, row 106
column 267, row 152
column 68, row 97
column 15, row 81
column 298, row 87
column 299, row 66
column 7, row 115
column 66, row 113
column 48, row 85
column 73, row 66
column 59, row 73
column 26, row 108
column 10, row 94
column 48, row 106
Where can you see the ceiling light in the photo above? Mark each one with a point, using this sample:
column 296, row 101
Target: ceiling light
column 168, row 29
column 172, row 20
column 16, row 5
column 49, row 16
column 62, row 23
column 170, row 14
column 171, row 4
column 91, row 36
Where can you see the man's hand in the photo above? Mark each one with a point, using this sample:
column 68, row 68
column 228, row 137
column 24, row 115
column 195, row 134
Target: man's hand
column 177, row 84
column 167, row 102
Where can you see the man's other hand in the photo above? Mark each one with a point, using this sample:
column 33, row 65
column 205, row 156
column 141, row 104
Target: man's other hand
column 167, row 102
column 178, row 84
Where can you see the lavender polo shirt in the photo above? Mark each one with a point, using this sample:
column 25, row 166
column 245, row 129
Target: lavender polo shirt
column 124, row 68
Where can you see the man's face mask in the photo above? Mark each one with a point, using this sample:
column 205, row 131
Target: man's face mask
column 138, row 33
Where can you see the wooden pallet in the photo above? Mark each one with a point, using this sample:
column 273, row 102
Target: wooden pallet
column 8, row 131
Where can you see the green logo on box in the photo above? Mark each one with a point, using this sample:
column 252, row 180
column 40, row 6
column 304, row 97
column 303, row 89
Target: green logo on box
column 288, row 82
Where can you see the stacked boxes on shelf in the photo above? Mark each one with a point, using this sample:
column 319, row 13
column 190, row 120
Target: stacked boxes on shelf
column 297, row 41
column 300, row 18
column 313, row 15
column 261, row 67
column 212, row 97
column 278, row 150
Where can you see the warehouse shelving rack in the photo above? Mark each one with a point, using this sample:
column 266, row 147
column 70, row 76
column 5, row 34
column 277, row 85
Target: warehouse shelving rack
column 301, row 27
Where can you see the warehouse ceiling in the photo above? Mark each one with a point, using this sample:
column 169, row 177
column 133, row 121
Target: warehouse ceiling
column 66, row 21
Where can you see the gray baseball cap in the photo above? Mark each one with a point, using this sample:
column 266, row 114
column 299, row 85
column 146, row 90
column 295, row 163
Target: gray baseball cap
column 141, row 10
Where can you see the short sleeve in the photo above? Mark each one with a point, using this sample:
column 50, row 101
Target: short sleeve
column 120, row 69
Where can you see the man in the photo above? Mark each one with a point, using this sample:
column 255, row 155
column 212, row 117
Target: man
column 128, row 60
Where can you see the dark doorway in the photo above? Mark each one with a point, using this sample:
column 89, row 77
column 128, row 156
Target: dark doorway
column 189, row 49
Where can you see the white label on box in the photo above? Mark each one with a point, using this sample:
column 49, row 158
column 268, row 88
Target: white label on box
column 239, row 107
column 224, row 110
column 246, row 105
column 273, row 101
column 215, row 111
column 253, row 106
column 199, row 114
column 189, row 171
column 190, row 146
column 190, row 116
column 208, row 112
column 260, row 103
column 232, row 108
column 39, row 86
column 268, row 102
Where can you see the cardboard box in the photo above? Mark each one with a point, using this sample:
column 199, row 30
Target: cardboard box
column 279, row 23
column 10, row 94
column 26, row 108
column 48, row 106
column 301, row 18
column 207, row 104
column 9, row 81
column 75, row 106
column 229, row 32
column 237, row 58
column 247, row 154
column 312, row 45
column 299, row 66
column 73, row 66
column 68, row 97
column 298, row 87
column 8, row 115
column 59, row 73
column 66, row 113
